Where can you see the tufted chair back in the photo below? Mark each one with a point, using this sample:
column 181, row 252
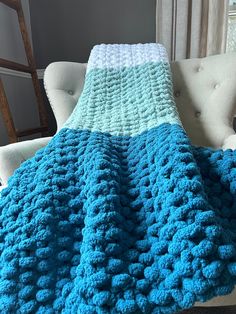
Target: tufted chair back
column 205, row 94
column 63, row 82
column 204, row 90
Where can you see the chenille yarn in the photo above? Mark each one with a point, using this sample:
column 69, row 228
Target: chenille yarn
column 119, row 213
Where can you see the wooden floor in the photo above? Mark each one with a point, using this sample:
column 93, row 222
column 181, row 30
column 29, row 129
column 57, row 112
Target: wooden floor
column 211, row 310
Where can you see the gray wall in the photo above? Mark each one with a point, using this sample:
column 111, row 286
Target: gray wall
column 19, row 90
column 67, row 29
column 10, row 37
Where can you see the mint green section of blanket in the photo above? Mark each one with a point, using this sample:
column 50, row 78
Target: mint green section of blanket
column 126, row 101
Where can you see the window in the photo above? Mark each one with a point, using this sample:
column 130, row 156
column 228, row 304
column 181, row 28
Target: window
column 231, row 37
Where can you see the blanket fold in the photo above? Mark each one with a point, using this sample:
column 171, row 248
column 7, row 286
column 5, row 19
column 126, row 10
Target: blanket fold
column 119, row 213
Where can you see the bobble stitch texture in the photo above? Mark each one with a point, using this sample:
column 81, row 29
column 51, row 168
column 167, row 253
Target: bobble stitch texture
column 119, row 213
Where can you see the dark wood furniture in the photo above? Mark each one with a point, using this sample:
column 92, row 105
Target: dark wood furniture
column 13, row 133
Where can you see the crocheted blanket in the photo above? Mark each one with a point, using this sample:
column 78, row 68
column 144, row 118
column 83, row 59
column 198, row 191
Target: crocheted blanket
column 119, row 213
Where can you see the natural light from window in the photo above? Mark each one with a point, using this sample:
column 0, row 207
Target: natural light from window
column 231, row 37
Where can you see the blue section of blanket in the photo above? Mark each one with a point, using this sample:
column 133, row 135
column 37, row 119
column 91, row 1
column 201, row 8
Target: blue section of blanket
column 101, row 223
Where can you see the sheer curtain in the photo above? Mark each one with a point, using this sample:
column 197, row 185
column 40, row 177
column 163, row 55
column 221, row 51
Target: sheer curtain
column 192, row 28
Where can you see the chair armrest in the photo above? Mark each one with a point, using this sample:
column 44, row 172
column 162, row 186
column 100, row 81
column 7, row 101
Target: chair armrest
column 230, row 142
column 1, row 188
column 12, row 155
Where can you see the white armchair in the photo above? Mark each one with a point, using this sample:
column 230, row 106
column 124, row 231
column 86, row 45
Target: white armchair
column 205, row 93
column 204, row 90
